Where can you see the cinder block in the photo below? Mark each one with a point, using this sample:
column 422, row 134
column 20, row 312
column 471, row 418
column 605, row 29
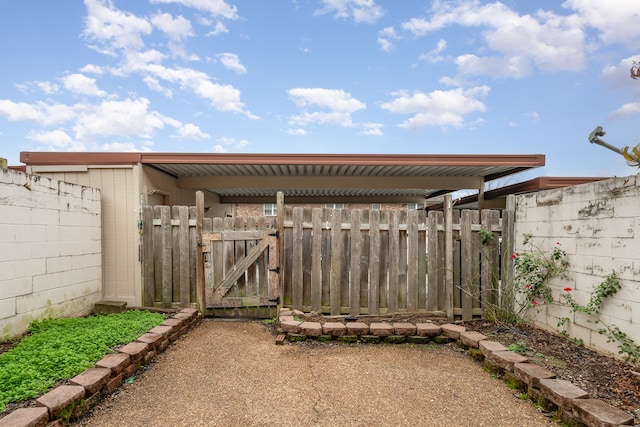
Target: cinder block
column 26, row 417
column 428, row 329
column 452, row 331
column 406, row 329
column 380, row 329
column 335, row 329
column 596, row 413
column 471, row 338
column 93, row 380
column 60, row 398
column 561, row 392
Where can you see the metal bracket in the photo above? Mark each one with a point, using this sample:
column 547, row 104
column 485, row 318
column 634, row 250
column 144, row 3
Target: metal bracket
column 276, row 300
column 276, row 234
column 275, row 270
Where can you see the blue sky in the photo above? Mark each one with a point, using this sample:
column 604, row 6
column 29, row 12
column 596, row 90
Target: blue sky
column 323, row 76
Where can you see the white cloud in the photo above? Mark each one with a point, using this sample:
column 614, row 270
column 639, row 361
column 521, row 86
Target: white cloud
column 616, row 22
column 548, row 41
column 296, row 132
column 191, row 132
column 153, row 84
column 220, row 28
column 113, row 28
column 372, row 129
column 56, row 139
column 129, row 117
column 92, row 69
column 176, row 29
column 340, row 106
column 216, row 8
column 438, row 108
column 366, row 11
column 386, row 36
column 81, row 84
column 225, row 145
column 628, row 109
column 232, row 62
column 125, row 147
column 39, row 112
column 433, row 56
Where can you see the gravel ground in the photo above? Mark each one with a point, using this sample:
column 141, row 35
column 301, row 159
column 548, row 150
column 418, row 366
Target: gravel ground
column 232, row 374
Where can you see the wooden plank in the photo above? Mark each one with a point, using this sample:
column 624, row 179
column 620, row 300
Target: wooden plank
column 412, row 267
column 316, row 260
column 228, row 251
column 147, row 254
column 167, row 248
column 239, row 269
column 402, row 261
column 307, row 243
column 280, row 245
column 345, row 261
column 354, row 276
column 157, row 258
column 200, row 279
column 175, row 251
column 468, row 259
column 364, row 260
column 217, row 256
column 252, row 271
column 237, row 302
column 183, row 236
column 326, row 259
column 193, row 257
column 374, row 262
column 490, row 260
column 457, row 256
column 394, row 259
column 239, row 253
column 383, row 277
column 336, row 261
column 448, row 256
column 432, row 261
column 422, row 261
column 507, row 249
column 286, row 259
column 296, row 272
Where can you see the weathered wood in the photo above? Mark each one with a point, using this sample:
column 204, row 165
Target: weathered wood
column 316, row 260
column 306, row 258
column 448, row 255
column 200, row 282
column 147, row 254
column 413, row 255
column 252, row 272
column 364, row 260
column 233, row 302
column 183, row 245
column 286, row 260
column 280, row 244
column 394, row 260
column 326, row 258
column 193, row 257
column 354, row 276
column 422, row 262
column 239, row 254
column 490, row 259
column 239, row 269
column 336, row 261
column 296, row 273
column 167, row 251
column 176, row 254
column 432, row 261
column 468, row 260
column 374, row 262
column 346, row 261
column 402, row 261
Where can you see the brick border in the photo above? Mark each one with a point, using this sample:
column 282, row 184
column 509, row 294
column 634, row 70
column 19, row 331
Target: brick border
column 569, row 402
column 85, row 390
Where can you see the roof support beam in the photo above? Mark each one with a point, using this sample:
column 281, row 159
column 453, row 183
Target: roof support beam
column 329, row 182
column 324, row 199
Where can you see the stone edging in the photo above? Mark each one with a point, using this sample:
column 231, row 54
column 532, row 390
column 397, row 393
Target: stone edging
column 84, row 391
column 570, row 403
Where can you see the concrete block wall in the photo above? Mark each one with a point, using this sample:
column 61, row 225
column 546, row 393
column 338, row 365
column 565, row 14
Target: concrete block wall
column 50, row 250
column 598, row 225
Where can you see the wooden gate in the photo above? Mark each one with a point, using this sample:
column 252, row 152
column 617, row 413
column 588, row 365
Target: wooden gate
column 221, row 264
column 237, row 259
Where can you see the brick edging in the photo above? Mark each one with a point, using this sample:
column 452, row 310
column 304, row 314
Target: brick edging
column 85, row 390
column 568, row 401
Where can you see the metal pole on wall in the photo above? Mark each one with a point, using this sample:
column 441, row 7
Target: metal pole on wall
column 200, row 256
column 448, row 255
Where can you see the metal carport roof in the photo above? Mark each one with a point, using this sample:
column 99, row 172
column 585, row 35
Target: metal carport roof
column 312, row 178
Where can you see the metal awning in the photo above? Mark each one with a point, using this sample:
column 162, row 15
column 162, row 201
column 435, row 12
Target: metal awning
column 312, row 178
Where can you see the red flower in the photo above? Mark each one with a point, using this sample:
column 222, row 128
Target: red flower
column 527, row 286
column 515, row 255
column 558, row 243
column 535, row 302
column 567, row 289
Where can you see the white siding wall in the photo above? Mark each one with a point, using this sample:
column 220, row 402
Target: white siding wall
column 598, row 225
column 50, row 250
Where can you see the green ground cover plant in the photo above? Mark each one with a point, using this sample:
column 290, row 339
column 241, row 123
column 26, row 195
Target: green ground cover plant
column 59, row 349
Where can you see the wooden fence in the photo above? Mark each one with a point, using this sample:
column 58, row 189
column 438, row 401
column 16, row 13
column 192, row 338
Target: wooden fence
column 382, row 262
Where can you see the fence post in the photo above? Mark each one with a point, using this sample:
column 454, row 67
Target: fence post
column 280, row 245
column 200, row 256
column 508, row 247
column 448, row 255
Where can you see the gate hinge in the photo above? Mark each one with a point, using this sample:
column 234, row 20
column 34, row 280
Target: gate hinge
column 276, row 300
column 275, row 270
column 277, row 234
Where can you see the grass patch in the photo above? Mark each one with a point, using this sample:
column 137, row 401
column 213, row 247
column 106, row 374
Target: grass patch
column 59, row 349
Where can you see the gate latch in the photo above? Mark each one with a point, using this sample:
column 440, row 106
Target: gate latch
column 276, row 300
column 275, row 270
